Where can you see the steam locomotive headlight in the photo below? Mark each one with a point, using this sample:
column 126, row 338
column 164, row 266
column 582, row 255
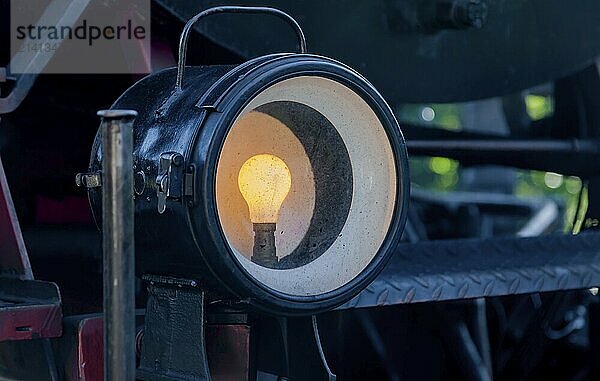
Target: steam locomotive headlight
column 326, row 186
column 282, row 181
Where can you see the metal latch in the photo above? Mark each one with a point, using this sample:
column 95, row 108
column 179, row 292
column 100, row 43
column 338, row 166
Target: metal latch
column 89, row 180
column 169, row 182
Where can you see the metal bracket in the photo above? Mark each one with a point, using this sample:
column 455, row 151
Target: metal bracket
column 173, row 345
column 169, row 182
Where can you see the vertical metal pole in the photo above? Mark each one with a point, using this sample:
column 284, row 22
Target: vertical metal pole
column 117, row 242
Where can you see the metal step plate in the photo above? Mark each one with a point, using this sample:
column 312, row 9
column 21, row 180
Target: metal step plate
column 471, row 268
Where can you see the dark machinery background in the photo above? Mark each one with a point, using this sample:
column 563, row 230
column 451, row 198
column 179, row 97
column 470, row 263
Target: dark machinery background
column 483, row 60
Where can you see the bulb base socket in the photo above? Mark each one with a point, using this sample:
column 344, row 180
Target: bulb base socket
column 264, row 252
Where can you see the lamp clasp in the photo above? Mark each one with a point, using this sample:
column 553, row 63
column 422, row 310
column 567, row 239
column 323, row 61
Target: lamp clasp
column 169, row 182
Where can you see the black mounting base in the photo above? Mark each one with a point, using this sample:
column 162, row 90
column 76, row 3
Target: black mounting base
column 173, row 346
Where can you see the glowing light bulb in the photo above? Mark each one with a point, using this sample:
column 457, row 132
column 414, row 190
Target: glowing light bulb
column 264, row 181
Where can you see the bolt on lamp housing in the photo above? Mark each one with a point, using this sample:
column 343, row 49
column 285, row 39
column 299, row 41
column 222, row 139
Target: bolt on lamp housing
column 282, row 181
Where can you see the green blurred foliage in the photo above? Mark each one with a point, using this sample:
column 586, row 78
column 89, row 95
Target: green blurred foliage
column 539, row 106
column 548, row 184
column 443, row 174
column 434, row 173
column 446, row 115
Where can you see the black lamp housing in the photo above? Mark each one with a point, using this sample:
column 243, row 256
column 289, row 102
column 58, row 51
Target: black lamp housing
column 179, row 139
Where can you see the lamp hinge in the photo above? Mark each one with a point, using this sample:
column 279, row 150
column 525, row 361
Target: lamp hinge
column 188, row 183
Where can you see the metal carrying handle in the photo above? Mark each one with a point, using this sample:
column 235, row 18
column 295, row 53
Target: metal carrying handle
column 231, row 9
